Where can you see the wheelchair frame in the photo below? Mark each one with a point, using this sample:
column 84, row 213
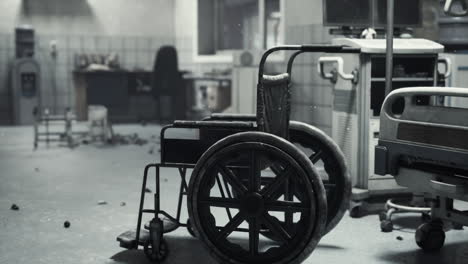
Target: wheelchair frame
column 213, row 130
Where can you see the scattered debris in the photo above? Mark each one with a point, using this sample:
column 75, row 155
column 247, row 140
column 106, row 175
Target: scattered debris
column 148, row 190
column 399, row 238
column 133, row 139
column 66, row 224
column 14, row 207
column 101, row 202
column 123, row 204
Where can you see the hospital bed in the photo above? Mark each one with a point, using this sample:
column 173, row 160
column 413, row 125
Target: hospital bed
column 425, row 147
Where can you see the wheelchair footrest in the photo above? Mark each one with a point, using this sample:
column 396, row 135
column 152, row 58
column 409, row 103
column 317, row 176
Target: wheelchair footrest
column 128, row 239
column 169, row 225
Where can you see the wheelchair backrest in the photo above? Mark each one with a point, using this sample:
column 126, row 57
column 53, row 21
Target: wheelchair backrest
column 274, row 104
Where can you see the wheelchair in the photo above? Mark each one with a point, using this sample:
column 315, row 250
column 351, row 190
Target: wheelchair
column 255, row 194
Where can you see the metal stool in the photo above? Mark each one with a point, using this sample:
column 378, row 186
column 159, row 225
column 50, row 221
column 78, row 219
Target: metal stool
column 45, row 119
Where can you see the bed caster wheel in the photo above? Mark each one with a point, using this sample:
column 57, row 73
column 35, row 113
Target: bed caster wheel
column 190, row 228
column 158, row 255
column 382, row 216
column 355, row 211
column 425, row 217
column 386, row 226
column 430, row 236
column 457, row 226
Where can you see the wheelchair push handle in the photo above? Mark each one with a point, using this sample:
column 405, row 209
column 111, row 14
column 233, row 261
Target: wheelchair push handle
column 449, row 10
column 301, row 49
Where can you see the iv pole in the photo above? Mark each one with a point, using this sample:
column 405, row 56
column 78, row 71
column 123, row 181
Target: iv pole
column 389, row 53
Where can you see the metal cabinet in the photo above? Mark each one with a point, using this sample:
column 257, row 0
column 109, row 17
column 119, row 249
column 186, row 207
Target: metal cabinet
column 358, row 98
column 457, row 76
column 25, row 90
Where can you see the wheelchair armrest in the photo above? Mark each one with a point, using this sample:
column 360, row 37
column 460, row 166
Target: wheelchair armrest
column 231, row 117
column 212, row 124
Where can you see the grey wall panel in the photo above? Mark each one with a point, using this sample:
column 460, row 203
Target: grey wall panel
column 5, row 110
column 316, row 95
column 313, row 114
column 108, row 17
column 116, row 43
column 4, row 87
column 102, row 44
column 75, row 42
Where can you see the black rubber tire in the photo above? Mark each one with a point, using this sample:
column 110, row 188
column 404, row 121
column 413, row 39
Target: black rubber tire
column 312, row 136
column 190, row 228
column 315, row 138
column 306, row 247
column 430, row 237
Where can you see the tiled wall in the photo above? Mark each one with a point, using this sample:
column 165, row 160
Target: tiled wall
column 134, row 52
column 185, row 53
column 312, row 97
column 133, row 29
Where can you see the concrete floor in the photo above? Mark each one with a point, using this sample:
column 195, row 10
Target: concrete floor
column 55, row 184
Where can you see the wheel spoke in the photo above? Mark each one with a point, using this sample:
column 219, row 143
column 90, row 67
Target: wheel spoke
column 222, row 194
column 233, row 180
column 254, row 234
column 221, row 202
column 286, row 206
column 254, row 173
column 231, row 226
column 329, row 186
column 275, row 227
column 289, row 196
column 316, row 156
column 270, row 189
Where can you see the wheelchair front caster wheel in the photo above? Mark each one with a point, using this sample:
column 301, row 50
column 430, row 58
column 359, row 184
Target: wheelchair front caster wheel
column 425, row 217
column 430, row 236
column 386, row 226
column 158, row 255
column 190, row 228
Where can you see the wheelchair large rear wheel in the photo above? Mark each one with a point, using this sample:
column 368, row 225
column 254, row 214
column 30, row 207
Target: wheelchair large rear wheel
column 230, row 225
column 327, row 157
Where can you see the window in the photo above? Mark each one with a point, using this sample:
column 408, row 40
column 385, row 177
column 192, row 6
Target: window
column 227, row 25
